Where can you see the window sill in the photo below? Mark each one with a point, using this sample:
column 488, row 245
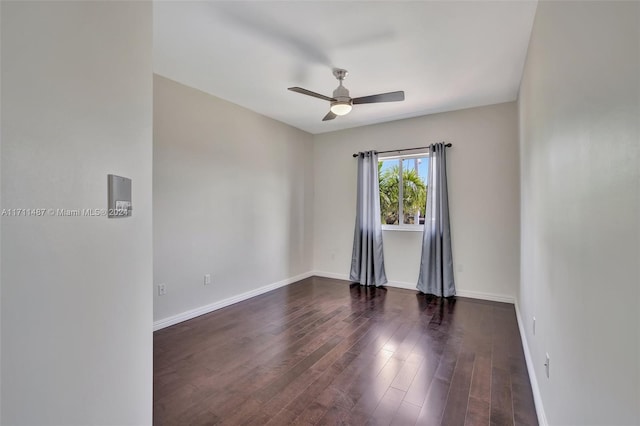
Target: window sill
column 405, row 228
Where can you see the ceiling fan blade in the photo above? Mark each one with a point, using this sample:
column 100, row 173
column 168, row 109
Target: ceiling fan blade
column 310, row 93
column 382, row 97
column 329, row 116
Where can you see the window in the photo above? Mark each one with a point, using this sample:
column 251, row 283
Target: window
column 403, row 191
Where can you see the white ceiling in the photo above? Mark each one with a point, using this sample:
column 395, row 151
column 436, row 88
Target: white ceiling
column 445, row 55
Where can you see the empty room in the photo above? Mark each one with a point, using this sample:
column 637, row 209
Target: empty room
column 320, row 213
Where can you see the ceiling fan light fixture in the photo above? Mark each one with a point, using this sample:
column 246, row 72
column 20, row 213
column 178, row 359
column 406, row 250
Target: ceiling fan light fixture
column 342, row 103
column 341, row 107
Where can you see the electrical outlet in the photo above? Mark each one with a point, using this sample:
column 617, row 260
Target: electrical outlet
column 534, row 326
column 162, row 289
column 546, row 364
column 207, row 279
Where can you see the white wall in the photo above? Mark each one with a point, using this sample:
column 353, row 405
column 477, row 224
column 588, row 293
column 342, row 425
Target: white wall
column 233, row 194
column 483, row 195
column 0, row 226
column 76, row 302
column 580, row 173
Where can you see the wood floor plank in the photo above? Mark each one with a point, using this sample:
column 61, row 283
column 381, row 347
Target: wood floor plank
column 408, row 372
column 433, row 406
column 387, row 407
column 406, row 415
column 323, row 352
column 481, row 379
column 417, row 391
column 501, row 402
column 456, row 408
column 478, row 412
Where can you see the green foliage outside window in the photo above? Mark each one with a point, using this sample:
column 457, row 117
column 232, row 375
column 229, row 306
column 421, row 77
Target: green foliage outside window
column 414, row 194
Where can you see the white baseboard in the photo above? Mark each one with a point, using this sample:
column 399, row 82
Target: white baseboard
column 333, row 275
column 412, row 286
column 345, row 277
column 537, row 397
column 184, row 316
column 485, row 296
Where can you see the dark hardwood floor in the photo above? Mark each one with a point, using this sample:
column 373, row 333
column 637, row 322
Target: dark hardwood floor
column 323, row 352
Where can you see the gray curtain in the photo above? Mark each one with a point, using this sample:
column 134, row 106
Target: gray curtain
column 367, row 261
column 436, row 262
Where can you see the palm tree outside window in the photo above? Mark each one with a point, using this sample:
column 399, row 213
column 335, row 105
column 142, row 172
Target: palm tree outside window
column 403, row 191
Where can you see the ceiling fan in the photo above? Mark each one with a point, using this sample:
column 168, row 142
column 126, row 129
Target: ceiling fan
column 341, row 103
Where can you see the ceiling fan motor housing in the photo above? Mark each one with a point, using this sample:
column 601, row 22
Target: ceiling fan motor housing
column 342, row 103
column 341, row 94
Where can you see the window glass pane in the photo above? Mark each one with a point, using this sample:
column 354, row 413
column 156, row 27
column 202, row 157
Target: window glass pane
column 414, row 189
column 388, row 176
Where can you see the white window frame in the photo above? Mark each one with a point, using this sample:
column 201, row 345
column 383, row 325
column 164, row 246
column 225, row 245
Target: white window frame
column 403, row 227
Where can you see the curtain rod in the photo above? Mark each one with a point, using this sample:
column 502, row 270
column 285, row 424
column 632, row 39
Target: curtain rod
column 448, row 145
